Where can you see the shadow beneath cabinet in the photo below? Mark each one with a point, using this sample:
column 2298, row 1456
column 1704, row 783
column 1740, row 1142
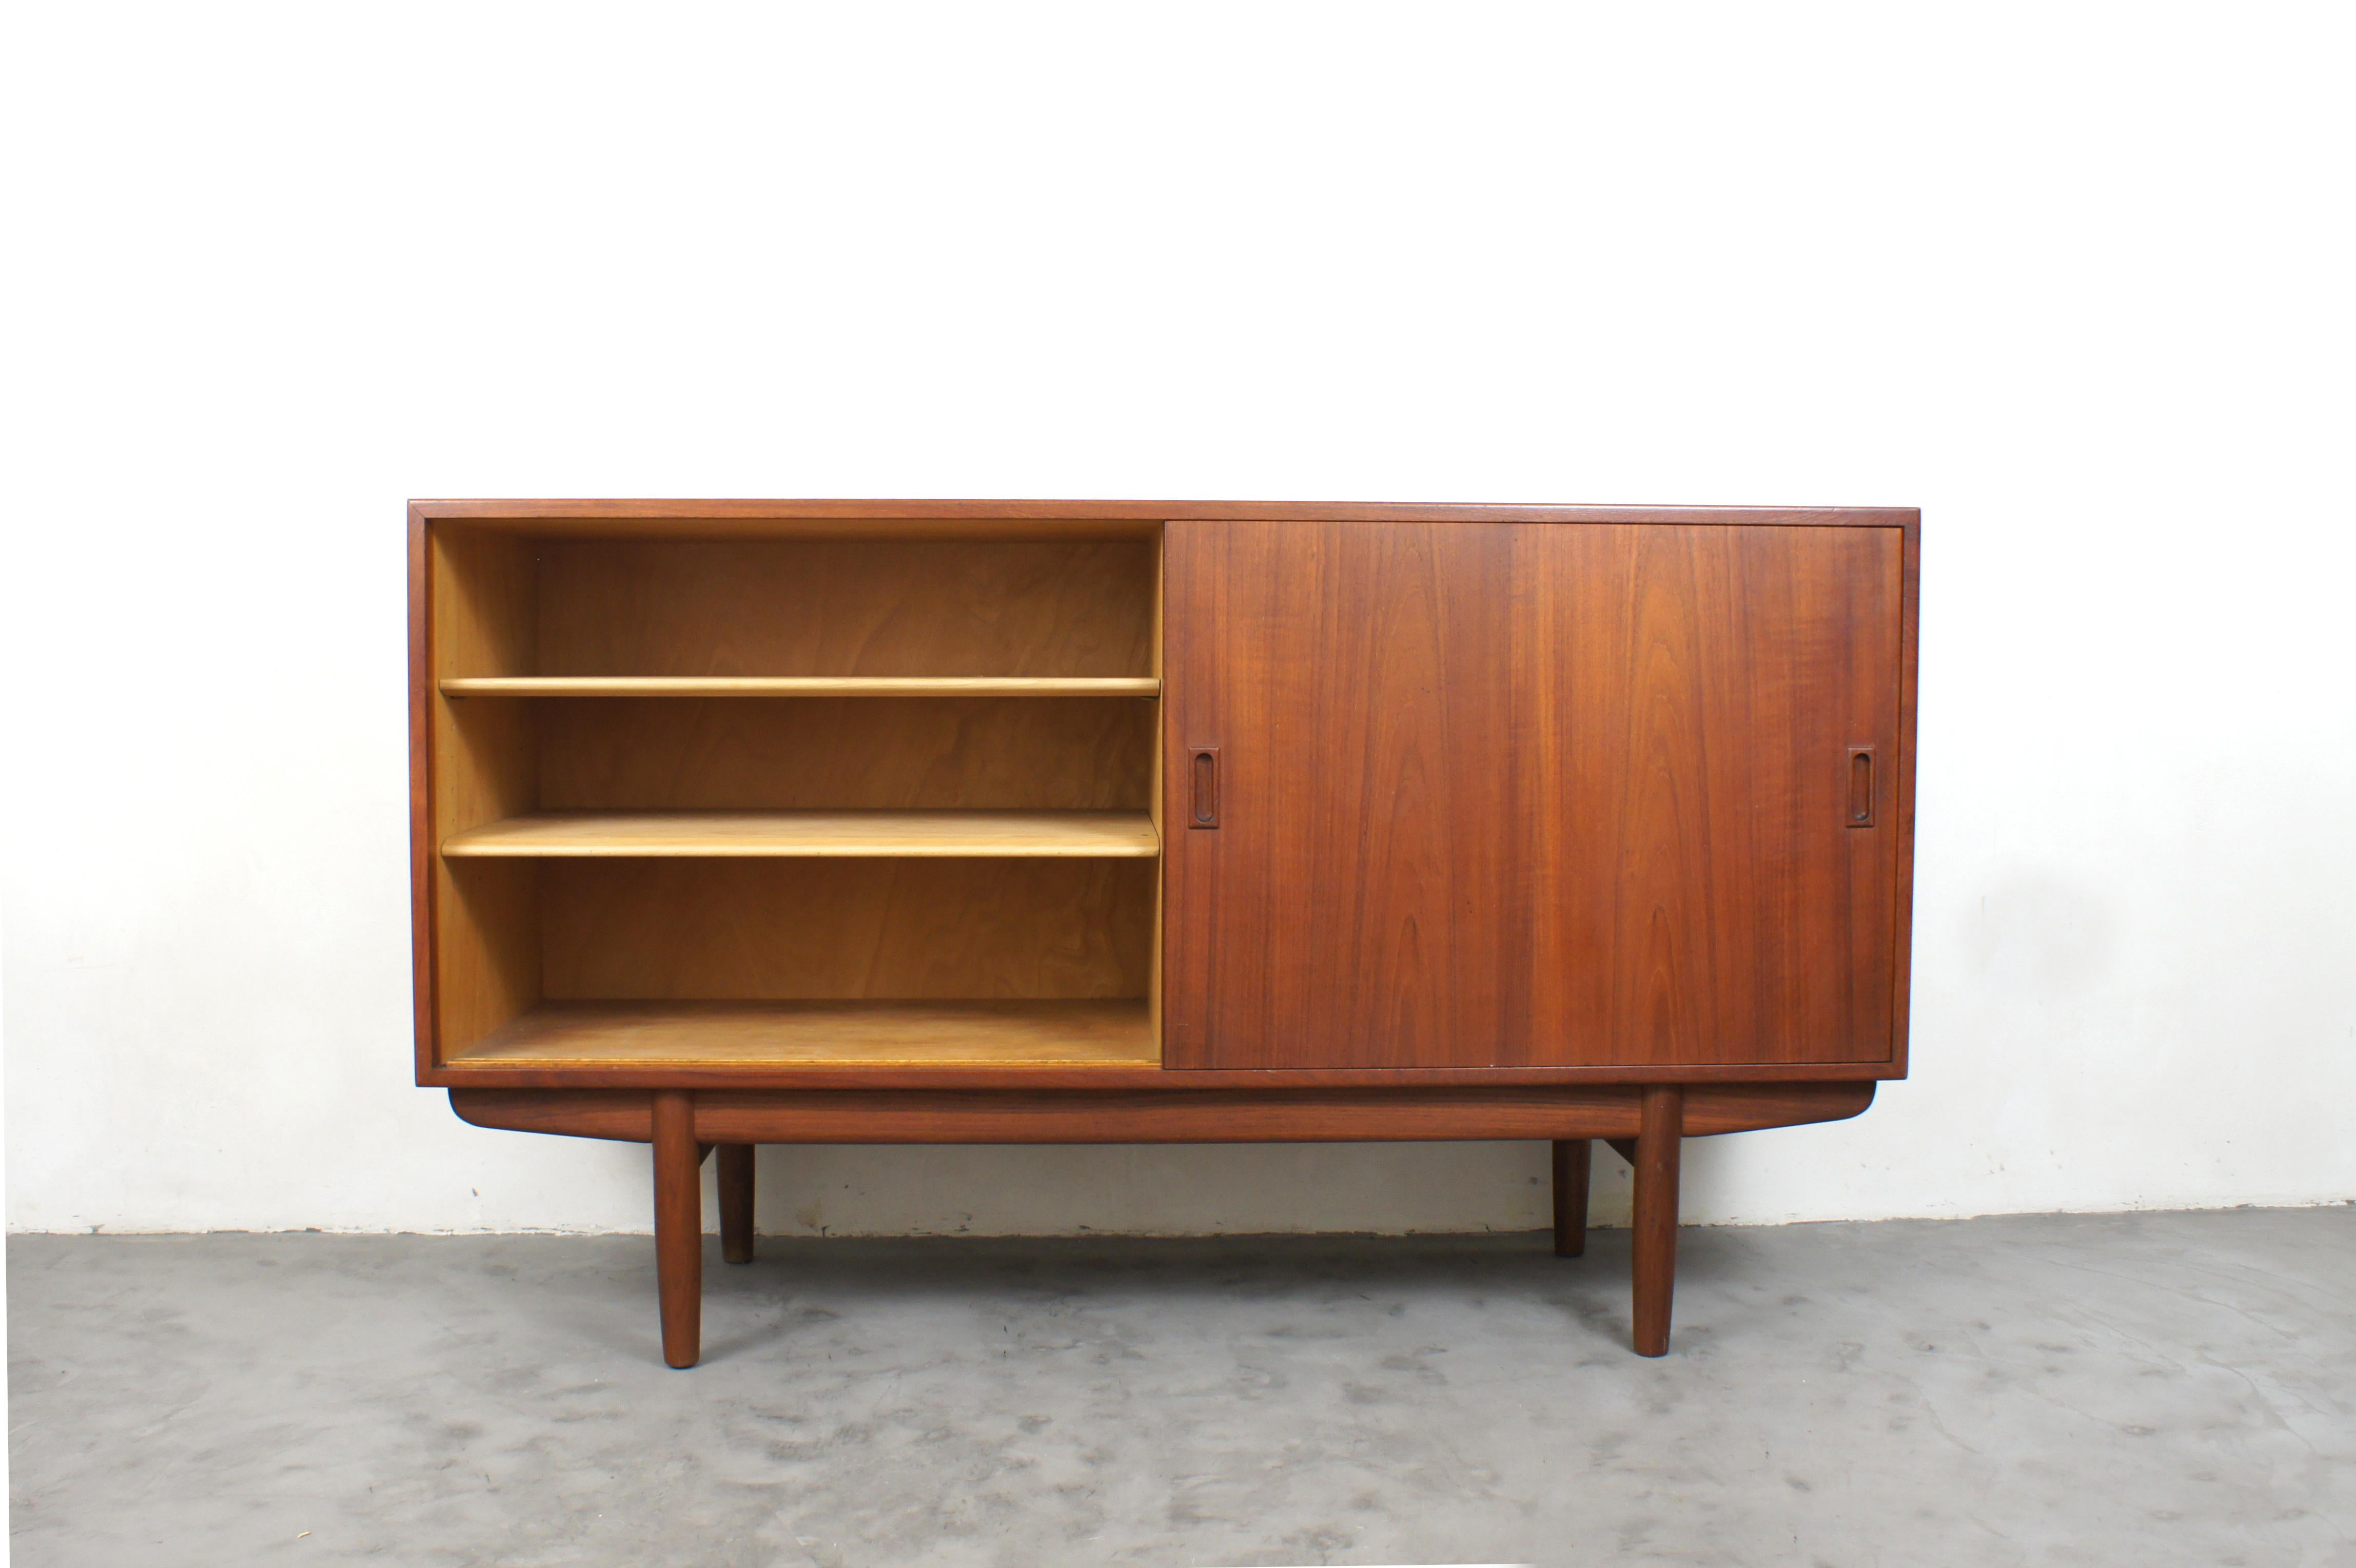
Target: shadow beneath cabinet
column 845, row 1295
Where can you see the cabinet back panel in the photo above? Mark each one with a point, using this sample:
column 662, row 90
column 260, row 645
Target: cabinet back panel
column 816, row 754
column 797, row 929
column 1530, row 794
column 897, row 606
column 483, row 600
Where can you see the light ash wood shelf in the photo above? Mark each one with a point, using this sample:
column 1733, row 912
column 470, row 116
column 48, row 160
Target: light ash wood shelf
column 840, row 835
column 556, row 1035
column 800, row 686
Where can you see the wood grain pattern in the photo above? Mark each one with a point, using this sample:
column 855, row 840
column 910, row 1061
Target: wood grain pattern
column 839, row 834
column 1343, row 912
column 781, row 929
column 561, row 1034
column 1695, row 695
column 1574, row 794
column 850, row 607
column 800, row 686
column 911, row 754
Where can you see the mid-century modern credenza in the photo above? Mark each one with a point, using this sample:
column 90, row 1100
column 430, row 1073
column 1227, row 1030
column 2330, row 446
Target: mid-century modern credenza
column 741, row 822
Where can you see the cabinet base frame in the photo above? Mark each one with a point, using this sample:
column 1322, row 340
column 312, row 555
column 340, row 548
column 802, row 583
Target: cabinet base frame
column 1645, row 1123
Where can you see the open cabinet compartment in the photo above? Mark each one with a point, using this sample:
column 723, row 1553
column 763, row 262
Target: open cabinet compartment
column 860, row 797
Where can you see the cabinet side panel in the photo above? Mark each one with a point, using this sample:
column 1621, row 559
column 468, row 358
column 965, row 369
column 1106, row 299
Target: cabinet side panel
column 1903, row 933
column 424, row 853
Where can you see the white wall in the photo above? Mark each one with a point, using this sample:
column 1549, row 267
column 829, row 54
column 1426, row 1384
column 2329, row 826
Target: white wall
column 2073, row 279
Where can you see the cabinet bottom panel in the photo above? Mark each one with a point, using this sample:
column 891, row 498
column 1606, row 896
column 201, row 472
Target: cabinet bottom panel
column 559, row 1035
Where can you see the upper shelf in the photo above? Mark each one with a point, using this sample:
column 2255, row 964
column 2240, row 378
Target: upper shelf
column 839, row 834
column 801, row 686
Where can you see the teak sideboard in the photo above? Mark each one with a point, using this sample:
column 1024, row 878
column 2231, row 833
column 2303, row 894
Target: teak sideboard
column 742, row 823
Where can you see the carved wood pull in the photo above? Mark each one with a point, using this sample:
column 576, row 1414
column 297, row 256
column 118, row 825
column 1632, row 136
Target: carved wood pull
column 1860, row 785
column 1202, row 786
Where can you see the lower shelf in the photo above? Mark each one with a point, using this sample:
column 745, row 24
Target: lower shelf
column 741, row 1034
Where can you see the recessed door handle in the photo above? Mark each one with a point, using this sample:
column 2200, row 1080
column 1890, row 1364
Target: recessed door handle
column 1202, row 785
column 1860, row 785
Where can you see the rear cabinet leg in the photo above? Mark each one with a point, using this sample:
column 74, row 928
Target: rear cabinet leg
column 1573, row 1157
column 1658, row 1140
column 736, row 1202
column 678, row 1226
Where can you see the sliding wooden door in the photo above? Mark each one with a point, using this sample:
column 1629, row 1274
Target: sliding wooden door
column 1525, row 794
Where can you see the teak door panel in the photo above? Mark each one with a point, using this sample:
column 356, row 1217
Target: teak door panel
column 1529, row 794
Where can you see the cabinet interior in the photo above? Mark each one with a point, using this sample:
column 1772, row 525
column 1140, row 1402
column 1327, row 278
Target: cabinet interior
column 920, row 825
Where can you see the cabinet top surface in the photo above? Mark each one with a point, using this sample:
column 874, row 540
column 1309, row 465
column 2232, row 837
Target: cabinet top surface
column 526, row 513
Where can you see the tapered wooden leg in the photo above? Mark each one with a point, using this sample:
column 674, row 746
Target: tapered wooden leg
column 736, row 1202
column 1573, row 1157
column 678, row 1226
column 1658, row 1138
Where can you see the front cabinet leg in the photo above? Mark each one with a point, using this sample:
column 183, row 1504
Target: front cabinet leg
column 1573, row 1159
column 678, row 1226
column 736, row 1202
column 1659, row 1137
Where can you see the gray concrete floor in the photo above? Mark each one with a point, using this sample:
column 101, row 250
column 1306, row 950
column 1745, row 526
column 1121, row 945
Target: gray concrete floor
column 2144, row 1390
